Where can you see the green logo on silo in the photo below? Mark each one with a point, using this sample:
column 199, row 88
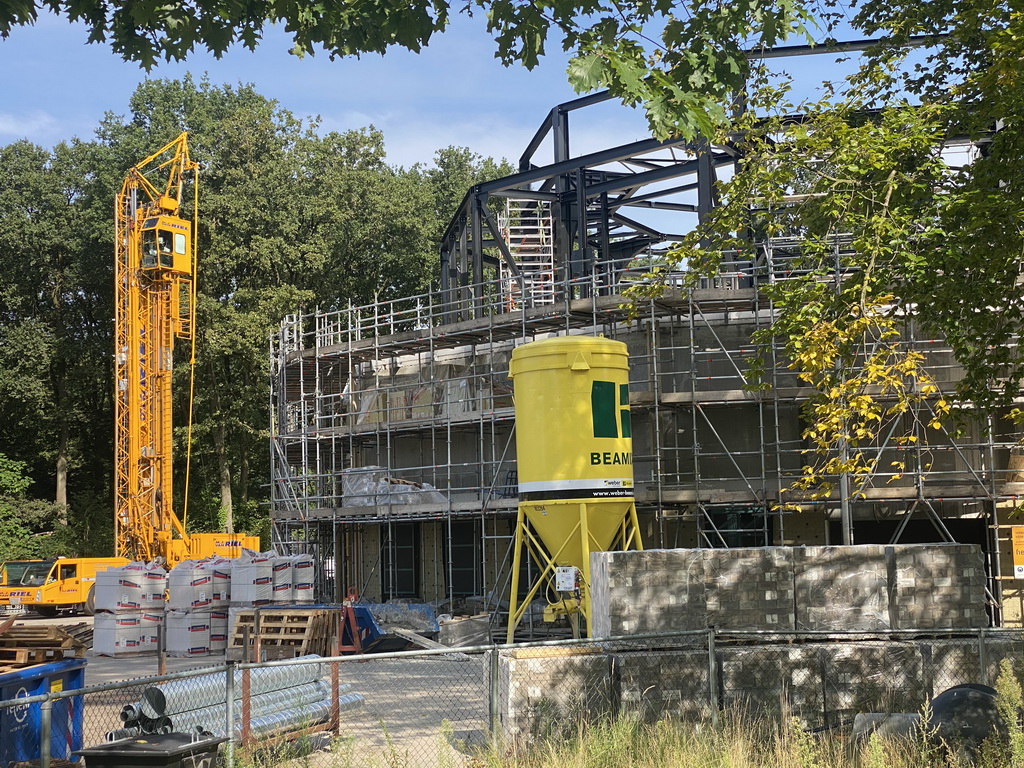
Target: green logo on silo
column 610, row 413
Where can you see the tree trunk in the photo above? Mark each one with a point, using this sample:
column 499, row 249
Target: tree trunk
column 63, row 449
column 61, row 496
column 243, row 478
column 224, row 470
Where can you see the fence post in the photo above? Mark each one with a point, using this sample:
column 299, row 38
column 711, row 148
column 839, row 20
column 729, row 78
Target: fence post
column 713, row 676
column 45, row 729
column 246, row 706
column 229, row 716
column 982, row 657
column 335, row 693
column 161, row 649
column 492, row 699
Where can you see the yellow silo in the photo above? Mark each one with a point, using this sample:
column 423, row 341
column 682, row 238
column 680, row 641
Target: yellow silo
column 575, row 463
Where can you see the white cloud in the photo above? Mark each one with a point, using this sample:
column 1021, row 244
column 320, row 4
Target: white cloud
column 36, row 126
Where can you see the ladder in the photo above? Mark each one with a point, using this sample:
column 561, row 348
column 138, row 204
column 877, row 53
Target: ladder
column 529, row 232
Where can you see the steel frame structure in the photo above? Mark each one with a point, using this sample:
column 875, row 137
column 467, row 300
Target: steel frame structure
column 595, row 199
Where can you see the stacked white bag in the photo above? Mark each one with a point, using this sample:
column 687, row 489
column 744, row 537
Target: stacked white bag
column 129, row 608
column 117, row 634
column 199, row 592
column 284, row 589
column 252, row 579
column 302, row 578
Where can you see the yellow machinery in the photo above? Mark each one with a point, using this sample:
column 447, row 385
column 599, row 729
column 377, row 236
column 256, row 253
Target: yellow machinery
column 155, row 293
column 575, row 463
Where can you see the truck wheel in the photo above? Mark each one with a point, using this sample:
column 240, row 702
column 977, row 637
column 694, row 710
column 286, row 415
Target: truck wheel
column 48, row 611
column 90, row 601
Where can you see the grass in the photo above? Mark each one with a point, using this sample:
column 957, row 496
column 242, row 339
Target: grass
column 736, row 741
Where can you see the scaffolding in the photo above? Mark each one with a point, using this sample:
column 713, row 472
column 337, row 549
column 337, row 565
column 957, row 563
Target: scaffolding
column 392, row 446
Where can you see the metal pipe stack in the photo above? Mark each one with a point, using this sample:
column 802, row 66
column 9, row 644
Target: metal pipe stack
column 280, row 699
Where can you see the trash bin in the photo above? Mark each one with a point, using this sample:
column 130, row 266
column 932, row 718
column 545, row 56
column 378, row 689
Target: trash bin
column 168, row 750
column 19, row 726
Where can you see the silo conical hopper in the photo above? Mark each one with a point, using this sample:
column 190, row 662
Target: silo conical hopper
column 575, row 462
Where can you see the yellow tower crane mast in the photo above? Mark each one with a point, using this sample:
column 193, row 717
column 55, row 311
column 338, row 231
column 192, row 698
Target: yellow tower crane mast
column 155, row 292
column 154, row 272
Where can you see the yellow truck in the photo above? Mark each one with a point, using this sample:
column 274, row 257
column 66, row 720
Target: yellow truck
column 65, row 583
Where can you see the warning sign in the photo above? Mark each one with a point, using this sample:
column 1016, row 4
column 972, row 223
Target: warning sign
column 1017, row 538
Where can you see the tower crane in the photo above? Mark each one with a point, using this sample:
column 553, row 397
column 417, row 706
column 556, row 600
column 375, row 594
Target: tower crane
column 155, row 260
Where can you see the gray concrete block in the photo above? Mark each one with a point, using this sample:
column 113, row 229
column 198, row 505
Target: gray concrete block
column 546, row 691
column 872, row 676
column 939, row 586
column 750, row 589
column 773, row 681
column 658, row 684
column 841, row 588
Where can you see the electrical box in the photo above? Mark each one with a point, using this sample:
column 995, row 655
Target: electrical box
column 565, row 578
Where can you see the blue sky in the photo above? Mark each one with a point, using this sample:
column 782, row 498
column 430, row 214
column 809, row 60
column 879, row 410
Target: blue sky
column 453, row 93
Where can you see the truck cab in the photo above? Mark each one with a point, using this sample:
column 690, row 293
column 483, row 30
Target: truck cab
column 11, row 571
column 10, row 583
column 64, row 583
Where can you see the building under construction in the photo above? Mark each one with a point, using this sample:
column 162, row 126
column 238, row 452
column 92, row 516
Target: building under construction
column 393, row 450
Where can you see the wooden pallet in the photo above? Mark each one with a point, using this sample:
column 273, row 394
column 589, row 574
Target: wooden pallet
column 36, row 636
column 26, row 656
column 23, row 646
column 288, row 631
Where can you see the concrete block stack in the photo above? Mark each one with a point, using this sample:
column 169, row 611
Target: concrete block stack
column 939, row 586
column 835, row 589
column 955, row 661
column 841, row 588
column 542, row 690
column 463, row 631
column 950, row 662
column 131, row 588
column 872, row 676
column 117, row 634
column 750, row 589
column 130, row 609
column 218, row 629
column 777, row 681
column 658, row 684
column 189, row 587
column 656, row 590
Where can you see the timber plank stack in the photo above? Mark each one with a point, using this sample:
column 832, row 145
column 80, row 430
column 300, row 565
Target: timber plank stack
column 82, row 631
column 25, row 646
column 283, row 633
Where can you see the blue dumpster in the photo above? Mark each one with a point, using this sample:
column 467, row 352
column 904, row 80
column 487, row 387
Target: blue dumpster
column 19, row 726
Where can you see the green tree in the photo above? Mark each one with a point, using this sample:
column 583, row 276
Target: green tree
column 26, row 525
column 370, row 222
column 53, row 309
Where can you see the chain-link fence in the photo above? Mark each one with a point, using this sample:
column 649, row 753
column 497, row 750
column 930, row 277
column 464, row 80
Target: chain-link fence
column 444, row 707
